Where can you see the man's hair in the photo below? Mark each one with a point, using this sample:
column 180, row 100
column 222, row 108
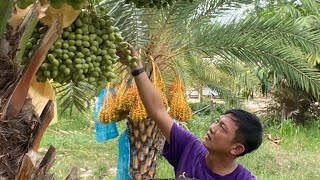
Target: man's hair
column 249, row 131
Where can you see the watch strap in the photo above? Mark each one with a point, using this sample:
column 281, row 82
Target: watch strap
column 137, row 71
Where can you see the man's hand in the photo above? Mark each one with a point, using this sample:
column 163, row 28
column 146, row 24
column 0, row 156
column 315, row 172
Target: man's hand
column 133, row 53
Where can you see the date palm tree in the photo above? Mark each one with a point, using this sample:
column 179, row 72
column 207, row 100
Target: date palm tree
column 194, row 40
column 21, row 128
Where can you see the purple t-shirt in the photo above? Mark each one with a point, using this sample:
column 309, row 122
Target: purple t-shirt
column 187, row 154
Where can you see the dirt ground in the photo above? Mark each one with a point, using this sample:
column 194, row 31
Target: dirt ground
column 258, row 104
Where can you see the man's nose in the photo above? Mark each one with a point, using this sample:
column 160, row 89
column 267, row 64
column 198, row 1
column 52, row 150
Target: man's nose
column 213, row 128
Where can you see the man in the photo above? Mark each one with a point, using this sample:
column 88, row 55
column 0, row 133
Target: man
column 236, row 133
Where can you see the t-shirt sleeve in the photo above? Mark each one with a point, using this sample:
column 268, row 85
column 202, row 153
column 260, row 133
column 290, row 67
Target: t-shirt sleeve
column 179, row 140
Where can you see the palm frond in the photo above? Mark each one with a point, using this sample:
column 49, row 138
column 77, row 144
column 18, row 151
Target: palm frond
column 230, row 68
column 268, row 42
column 283, row 31
column 305, row 12
column 205, row 72
column 183, row 17
column 290, row 10
column 203, row 10
column 197, row 72
column 69, row 96
column 312, row 6
column 231, row 99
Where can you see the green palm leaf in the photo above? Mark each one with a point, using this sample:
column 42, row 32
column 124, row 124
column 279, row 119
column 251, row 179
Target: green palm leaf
column 312, row 6
column 205, row 73
column 282, row 31
column 72, row 96
column 283, row 48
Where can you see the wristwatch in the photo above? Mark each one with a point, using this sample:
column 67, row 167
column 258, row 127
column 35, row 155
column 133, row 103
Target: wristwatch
column 137, row 71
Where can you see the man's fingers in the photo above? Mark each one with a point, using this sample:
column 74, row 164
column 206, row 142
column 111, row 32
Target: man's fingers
column 129, row 56
column 133, row 51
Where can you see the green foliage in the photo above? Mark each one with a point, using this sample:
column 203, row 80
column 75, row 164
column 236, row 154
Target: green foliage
column 72, row 96
column 265, row 42
column 199, row 105
column 166, row 170
column 305, row 13
column 289, row 130
column 199, row 123
column 264, row 74
column 218, row 76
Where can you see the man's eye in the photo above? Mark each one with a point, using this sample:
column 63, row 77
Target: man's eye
column 215, row 121
column 222, row 128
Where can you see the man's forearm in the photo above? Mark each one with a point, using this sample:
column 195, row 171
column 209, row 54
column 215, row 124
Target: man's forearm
column 149, row 95
column 153, row 103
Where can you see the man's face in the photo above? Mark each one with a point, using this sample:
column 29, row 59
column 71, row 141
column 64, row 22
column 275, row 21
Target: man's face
column 221, row 134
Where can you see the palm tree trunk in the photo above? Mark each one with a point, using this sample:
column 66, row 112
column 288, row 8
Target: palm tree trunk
column 21, row 130
column 145, row 142
column 15, row 130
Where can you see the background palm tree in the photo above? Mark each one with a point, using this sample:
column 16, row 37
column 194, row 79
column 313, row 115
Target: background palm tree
column 305, row 14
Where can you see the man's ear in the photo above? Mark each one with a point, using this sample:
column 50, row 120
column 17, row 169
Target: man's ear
column 237, row 149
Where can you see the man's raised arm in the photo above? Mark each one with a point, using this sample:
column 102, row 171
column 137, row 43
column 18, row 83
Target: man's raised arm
column 152, row 100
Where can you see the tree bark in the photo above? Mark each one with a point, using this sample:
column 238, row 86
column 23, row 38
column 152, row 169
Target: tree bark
column 31, row 169
column 145, row 142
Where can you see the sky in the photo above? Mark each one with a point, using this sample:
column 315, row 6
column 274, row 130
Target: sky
column 233, row 14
